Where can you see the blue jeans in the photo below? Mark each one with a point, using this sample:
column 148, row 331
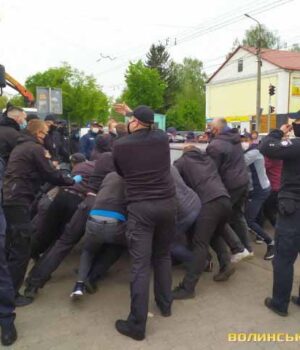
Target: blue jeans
column 254, row 204
column 7, row 294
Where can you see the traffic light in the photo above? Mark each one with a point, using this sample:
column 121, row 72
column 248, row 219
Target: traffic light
column 272, row 109
column 271, row 90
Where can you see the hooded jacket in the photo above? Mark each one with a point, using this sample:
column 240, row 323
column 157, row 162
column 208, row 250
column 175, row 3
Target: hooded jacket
column 27, row 169
column 9, row 133
column 227, row 152
column 200, row 173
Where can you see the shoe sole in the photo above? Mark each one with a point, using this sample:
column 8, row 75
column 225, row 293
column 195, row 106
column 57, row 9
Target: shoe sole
column 269, row 257
column 185, row 298
column 75, row 296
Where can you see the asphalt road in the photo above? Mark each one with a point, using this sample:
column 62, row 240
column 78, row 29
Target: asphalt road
column 53, row 322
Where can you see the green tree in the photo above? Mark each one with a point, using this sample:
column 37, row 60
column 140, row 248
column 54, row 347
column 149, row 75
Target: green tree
column 144, row 86
column 188, row 112
column 295, row 48
column 159, row 58
column 267, row 38
column 83, row 99
column 18, row 100
column 3, row 102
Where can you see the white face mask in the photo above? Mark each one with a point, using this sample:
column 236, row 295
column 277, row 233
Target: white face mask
column 245, row 145
column 95, row 130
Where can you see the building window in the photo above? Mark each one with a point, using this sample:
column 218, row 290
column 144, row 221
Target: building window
column 240, row 65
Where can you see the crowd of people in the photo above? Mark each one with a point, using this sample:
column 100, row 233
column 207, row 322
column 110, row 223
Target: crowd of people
column 117, row 191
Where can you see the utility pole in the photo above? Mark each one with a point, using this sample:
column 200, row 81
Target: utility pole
column 258, row 84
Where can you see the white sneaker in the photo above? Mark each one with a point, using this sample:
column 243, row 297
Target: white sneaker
column 245, row 254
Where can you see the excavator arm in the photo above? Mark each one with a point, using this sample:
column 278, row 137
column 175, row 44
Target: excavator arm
column 6, row 79
column 13, row 83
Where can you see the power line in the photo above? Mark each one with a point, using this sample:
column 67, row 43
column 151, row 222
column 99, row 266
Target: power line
column 263, row 8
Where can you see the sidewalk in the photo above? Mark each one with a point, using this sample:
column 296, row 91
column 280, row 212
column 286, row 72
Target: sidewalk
column 53, row 322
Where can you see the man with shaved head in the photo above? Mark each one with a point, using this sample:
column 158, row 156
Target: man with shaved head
column 226, row 150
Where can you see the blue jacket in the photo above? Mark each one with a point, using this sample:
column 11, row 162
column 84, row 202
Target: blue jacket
column 87, row 143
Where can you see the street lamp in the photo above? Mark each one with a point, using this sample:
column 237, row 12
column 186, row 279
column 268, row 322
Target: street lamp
column 258, row 88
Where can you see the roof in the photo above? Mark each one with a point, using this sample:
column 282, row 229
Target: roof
column 289, row 60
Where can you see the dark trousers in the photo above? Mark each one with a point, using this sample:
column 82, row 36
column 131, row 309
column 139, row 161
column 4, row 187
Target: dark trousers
column 237, row 220
column 253, row 207
column 96, row 235
column 270, row 208
column 18, row 238
column 211, row 222
column 150, row 229
column 287, row 248
column 72, row 234
column 58, row 215
column 7, row 293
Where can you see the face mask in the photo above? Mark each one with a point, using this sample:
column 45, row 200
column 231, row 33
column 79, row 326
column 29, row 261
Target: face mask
column 245, row 146
column 296, row 128
column 52, row 127
column 128, row 127
column 114, row 131
column 95, row 130
column 23, row 125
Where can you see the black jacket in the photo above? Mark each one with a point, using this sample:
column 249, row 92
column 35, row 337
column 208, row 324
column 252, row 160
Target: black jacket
column 86, row 170
column 200, row 173
column 227, row 152
column 274, row 147
column 57, row 146
column 111, row 196
column 103, row 166
column 27, row 169
column 143, row 160
column 9, row 133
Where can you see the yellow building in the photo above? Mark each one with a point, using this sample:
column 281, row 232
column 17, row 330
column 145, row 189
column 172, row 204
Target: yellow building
column 231, row 90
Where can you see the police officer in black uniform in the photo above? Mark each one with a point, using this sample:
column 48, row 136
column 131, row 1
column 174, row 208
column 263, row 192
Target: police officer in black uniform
column 142, row 158
column 287, row 237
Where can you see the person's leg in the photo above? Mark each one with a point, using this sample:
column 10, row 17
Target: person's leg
column 163, row 235
column 253, row 207
column 18, row 249
column 211, row 221
column 7, row 293
column 110, row 253
column 287, row 244
column 73, row 232
column 232, row 240
column 140, row 229
column 58, row 215
column 220, row 248
column 237, row 220
column 271, row 208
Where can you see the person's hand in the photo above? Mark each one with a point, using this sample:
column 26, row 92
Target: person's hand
column 77, row 179
column 286, row 128
column 122, row 108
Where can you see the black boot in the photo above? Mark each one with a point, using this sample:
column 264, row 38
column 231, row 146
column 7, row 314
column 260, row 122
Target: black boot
column 126, row 328
column 9, row 335
column 270, row 305
column 224, row 273
column 164, row 310
column 180, row 292
column 22, row 300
